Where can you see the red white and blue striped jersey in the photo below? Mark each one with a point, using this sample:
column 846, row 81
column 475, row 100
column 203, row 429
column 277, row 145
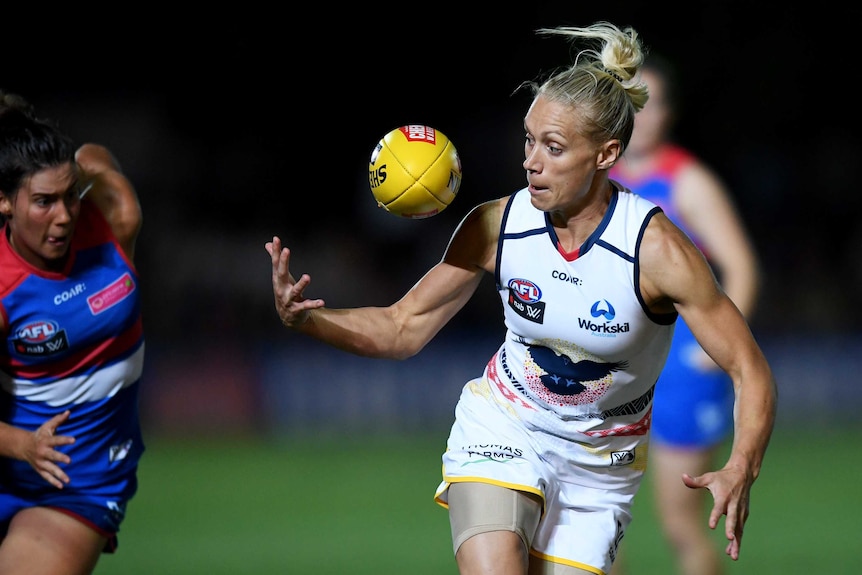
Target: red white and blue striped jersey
column 74, row 340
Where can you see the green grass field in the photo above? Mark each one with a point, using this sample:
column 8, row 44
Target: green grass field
column 329, row 507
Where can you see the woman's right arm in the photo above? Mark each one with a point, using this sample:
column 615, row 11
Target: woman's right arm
column 402, row 329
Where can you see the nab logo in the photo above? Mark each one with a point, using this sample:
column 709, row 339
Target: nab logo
column 37, row 331
column 40, row 338
column 524, row 298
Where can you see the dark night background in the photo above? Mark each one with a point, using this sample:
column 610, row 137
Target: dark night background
column 237, row 125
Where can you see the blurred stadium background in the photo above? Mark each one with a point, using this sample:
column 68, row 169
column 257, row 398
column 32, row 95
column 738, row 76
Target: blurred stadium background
column 239, row 126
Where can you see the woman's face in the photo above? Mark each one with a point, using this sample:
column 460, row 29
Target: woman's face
column 653, row 122
column 42, row 215
column 561, row 162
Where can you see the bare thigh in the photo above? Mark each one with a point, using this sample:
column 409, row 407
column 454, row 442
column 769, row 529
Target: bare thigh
column 43, row 541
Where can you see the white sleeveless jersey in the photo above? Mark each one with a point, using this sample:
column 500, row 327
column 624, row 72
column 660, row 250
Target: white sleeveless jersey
column 582, row 351
column 563, row 408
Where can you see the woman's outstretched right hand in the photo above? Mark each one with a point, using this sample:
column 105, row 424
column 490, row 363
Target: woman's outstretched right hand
column 292, row 307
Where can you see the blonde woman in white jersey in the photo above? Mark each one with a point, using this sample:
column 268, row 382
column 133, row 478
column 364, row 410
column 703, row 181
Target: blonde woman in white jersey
column 549, row 444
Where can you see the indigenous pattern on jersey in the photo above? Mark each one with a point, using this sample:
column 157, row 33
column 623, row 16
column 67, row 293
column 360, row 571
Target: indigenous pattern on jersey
column 563, row 408
column 74, row 340
column 582, row 352
column 694, row 402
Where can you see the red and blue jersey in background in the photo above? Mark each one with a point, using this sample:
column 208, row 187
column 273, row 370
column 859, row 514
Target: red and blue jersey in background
column 693, row 406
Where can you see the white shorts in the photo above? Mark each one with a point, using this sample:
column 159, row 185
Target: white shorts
column 581, row 524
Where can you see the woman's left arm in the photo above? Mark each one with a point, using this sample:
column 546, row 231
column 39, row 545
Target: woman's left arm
column 112, row 192
column 674, row 272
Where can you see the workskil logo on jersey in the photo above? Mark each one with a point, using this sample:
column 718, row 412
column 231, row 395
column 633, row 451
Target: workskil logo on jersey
column 603, row 310
column 524, row 297
column 40, row 337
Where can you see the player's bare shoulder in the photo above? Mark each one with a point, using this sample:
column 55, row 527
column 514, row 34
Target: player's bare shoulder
column 668, row 260
column 474, row 242
column 488, row 216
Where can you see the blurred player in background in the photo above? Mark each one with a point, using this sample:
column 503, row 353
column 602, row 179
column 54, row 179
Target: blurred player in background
column 73, row 347
column 549, row 444
column 693, row 405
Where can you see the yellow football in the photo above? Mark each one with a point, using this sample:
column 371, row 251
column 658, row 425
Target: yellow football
column 414, row 172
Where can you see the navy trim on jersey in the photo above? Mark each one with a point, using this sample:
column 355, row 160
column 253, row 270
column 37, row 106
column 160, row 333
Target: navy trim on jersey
column 500, row 241
column 597, row 233
column 659, row 318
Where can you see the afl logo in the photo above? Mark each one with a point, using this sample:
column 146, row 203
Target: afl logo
column 524, row 298
column 525, row 290
column 38, row 331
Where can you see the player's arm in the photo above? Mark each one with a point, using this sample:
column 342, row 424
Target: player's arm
column 402, row 329
column 112, row 192
column 708, row 210
column 673, row 270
